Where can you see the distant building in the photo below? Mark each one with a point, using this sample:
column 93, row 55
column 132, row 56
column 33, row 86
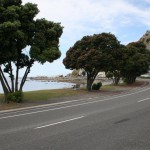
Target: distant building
column 101, row 74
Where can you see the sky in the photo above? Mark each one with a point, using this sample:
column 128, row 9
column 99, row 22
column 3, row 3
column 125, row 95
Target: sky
column 128, row 20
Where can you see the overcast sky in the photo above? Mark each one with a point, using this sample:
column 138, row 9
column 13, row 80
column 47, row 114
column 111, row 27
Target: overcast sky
column 127, row 19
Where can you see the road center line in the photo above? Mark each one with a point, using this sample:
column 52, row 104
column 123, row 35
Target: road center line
column 59, row 122
column 143, row 100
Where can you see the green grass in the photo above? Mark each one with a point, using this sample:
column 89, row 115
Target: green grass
column 120, row 86
column 35, row 97
column 1, row 97
column 38, row 96
column 44, row 95
column 57, row 93
column 49, row 94
column 111, row 87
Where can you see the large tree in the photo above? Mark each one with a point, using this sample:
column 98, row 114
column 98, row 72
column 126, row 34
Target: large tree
column 19, row 29
column 136, row 61
column 93, row 54
column 114, row 70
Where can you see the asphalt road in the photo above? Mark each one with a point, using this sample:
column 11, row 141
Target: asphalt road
column 119, row 122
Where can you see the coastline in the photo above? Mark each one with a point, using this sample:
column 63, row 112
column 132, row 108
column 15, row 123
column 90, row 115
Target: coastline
column 75, row 80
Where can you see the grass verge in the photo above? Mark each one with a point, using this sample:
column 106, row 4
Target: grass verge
column 35, row 97
column 49, row 94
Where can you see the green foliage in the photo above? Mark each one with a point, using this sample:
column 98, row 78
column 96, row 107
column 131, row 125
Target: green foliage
column 114, row 75
column 46, row 41
column 83, row 73
column 19, row 29
column 136, row 62
column 109, row 74
column 15, row 97
column 93, row 54
column 96, row 86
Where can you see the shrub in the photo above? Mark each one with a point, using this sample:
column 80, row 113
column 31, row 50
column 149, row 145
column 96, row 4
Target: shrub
column 15, row 97
column 96, row 86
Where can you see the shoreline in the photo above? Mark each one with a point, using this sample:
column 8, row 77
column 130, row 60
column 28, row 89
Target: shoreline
column 75, row 80
column 62, row 95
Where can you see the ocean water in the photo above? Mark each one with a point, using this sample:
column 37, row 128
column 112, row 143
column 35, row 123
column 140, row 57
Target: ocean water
column 34, row 85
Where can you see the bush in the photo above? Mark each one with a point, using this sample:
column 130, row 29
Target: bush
column 96, row 86
column 15, row 97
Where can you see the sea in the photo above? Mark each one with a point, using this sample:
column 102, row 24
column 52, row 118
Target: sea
column 35, row 85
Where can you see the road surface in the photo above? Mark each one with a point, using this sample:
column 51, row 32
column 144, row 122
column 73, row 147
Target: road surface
column 120, row 122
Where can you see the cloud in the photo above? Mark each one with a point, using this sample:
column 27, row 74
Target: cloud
column 86, row 17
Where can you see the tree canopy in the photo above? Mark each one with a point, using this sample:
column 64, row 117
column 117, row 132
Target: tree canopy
column 19, row 29
column 136, row 61
column 93, row 54
column 103, row 52
column 117, row 63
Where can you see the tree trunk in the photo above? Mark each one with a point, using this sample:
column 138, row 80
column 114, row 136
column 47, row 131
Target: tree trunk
column 11, row 77
column 17, row 69
column 17, row 75
column 116, row 80
column 133, row 79
column 113, row 80
column 4, row 80
column 24, row 78
column 89, row 84
column 5, row 89
column 90, row 79
column 130, row 79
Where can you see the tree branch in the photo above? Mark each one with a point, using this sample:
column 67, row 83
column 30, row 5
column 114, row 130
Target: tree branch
column 24, row 78
column 11, row 76
column 3, row 79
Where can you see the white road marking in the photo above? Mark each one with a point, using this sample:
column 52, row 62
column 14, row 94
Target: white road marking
column 143, row 100
column 46, row 105
column 85, row 103
column 59, row 122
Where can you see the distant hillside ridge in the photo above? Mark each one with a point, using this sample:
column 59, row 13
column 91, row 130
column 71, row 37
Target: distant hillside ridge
column 146, row 39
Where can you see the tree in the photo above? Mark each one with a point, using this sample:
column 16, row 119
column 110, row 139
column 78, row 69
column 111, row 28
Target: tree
column 114, row 70
column 114, row 75
column 136, row 62
column 19, row 29
column 93, row 54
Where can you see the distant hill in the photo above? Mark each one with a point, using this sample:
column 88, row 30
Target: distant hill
column 146, row 39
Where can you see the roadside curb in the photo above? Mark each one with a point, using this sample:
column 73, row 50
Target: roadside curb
column 38, row 106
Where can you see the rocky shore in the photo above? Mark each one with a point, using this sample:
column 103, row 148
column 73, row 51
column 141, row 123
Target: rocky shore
column 77, row 80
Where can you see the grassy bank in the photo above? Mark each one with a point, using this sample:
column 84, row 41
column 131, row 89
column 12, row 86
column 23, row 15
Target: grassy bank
column 44, row 96
column 1, row 97
column 49, row 94
column 57, row 93
column 39, row 97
